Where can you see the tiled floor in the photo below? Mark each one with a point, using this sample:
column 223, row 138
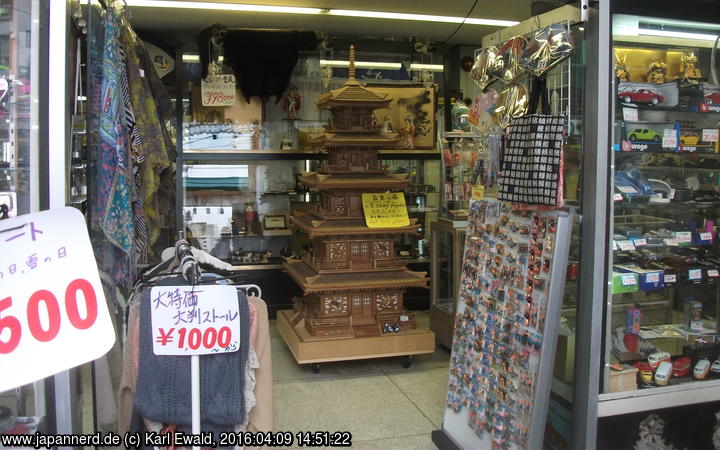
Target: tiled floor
column 382, row 404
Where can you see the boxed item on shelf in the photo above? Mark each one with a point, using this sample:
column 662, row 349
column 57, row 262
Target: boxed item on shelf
column 648, row 94
column 647, row 278
column 624, row 282
column 711, row 98
column 693, row 140
column 650, row 137
column 692, row 315
column 624, row 379
column 690, row 95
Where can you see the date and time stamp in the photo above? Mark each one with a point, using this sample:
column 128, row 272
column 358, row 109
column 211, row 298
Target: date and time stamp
column 181, row 439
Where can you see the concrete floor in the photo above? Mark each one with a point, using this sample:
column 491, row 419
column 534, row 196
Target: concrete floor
column 382, row 404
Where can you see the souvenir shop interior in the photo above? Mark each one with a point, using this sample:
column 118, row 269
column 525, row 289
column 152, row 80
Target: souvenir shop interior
column 453, row 225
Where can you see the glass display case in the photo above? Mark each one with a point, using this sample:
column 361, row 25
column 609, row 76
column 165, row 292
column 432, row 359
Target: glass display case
column 448, row 242
column 663, row 289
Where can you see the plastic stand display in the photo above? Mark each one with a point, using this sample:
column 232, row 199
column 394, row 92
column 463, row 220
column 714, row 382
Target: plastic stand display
column 512, row 281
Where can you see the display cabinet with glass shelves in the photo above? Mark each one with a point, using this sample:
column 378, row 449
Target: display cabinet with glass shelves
column 663, row 278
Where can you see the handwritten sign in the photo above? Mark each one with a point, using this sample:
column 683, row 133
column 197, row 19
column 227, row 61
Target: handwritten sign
column 669, row 138
column 385, row 210
column 53, row 314
column 710, row 135
column 194, row 320
column 478, row 192
column 218, row 90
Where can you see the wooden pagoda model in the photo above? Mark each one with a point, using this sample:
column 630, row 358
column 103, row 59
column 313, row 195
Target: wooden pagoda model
column 353, row 284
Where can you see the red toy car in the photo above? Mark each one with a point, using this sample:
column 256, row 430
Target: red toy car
column 713, row 98
column 641, row 95
column 681, row 366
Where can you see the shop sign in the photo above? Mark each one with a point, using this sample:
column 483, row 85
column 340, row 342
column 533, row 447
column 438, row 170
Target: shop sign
column 710, row 135
column 386, row 210
column 194, row 320
column 218, row 90
column 53, row 314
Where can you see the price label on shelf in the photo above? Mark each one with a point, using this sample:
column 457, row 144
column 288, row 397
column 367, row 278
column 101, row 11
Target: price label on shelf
column 695, row 274
column 669, row 138
column 617, row 197
column 642, row 242
column 672, row 242
column 53, row 314
column 630, row 114
column 670, row 278
column 706, row 236
column 218, row 90
column 683, row 237
column 653, row 277
column 194, row 320
column 710, row 135
column 628, row 279
column 626, row 245
column 713, row 273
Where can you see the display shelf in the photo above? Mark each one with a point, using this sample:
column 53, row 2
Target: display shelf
column 253, row 155
column 686, row 393
column 678, row 169
column 256, row 266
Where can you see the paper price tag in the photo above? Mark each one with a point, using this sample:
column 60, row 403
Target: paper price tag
column 617, row 197
column 630, row 114
column 640, row 242
column 710, row 135
column 706, row 236
column 627, row 189
column 713, row 273
column 653, row 277
column 218, row 90
column 670, row 278
column 628, row 280
column 53, row 314
column 683, row 237
column 672, row 242
column 695, row 274
column 478, row 192
column 385, row 210
column 669, row 138
column 194, row 320
column 626, row 245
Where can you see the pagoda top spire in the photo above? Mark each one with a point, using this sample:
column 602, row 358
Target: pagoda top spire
column 351, row 69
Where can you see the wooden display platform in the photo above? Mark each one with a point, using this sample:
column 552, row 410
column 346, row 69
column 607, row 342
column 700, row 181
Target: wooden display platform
column 316, row 349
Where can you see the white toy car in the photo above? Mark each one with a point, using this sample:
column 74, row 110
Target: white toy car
column 701, row 369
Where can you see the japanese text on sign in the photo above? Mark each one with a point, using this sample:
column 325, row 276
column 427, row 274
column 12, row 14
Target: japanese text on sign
column 386, row 210
column 51, row 299
column 218, row 90
column 194, row 320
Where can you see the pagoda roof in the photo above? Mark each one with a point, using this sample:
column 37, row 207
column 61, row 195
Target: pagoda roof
column 311, row 281
column 353, row 92
column 359, row 139
column 315, row 226
column 351, row 180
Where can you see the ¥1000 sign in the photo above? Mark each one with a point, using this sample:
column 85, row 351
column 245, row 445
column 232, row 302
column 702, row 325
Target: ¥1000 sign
column 53, row 314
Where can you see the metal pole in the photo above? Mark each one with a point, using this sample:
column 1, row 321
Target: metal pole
column 594, row 229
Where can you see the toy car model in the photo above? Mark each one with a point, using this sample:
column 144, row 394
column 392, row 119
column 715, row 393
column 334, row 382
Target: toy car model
column 663, row 373
column 715, row 368
column 713, row 98
column 641, row 95
column 654, row 359
column 701, row 369
column 681, row 366
column 644, row 134
column 689, row 138
column 645, row 374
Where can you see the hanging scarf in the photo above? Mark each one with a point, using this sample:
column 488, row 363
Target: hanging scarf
column 114, row 190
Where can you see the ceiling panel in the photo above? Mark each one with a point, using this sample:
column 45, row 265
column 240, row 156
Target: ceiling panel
column 174, row 20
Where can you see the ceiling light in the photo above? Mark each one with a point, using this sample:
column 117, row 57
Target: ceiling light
column 330, row 12
column 191, row 58
column 361, row 64
column 430, row 67
column 677, row 34
column 222, row 6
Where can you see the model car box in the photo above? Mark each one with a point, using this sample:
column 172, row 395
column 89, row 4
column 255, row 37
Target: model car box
column 692, row 141
column 690, row 95
column 648, row 94
column 624, row 282
column 711, row 98
column 650, row 137
column 692, row 316
column 647, row 278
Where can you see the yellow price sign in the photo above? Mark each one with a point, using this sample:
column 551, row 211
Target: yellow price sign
column 478, row 192
column 387, row 210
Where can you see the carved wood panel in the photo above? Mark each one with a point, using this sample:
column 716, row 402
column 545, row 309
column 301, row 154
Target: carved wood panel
column 335, row 304
column 387, row 302
column 337, row 251
column 381, row 249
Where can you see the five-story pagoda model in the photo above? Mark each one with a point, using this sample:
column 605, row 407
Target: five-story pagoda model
column 353, row 284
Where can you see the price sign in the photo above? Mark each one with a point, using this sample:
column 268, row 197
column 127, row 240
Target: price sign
column 640, row 242
column 653, row 277
column 617, row 197
column 478, row 192
column 672, row 242
column 713, row 273
column 710, row 135
column 626, row 245
column 706, row 236
column 385, row 210
column 194, row 320
column 630, row 114
column 669, row 138
column 218, row 90
column 628, row 280
column 695, row 274
column 670, row 278
column 53, row 314
column 683, row 237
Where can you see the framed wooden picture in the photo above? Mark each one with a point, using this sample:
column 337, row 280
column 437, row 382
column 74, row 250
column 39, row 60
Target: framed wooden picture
column 411, row 114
